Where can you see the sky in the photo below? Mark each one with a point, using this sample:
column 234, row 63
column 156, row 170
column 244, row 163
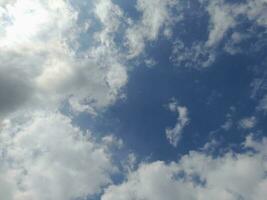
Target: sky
column 133, row 100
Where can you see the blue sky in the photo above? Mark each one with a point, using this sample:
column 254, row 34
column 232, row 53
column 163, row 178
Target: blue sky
column 123, row 100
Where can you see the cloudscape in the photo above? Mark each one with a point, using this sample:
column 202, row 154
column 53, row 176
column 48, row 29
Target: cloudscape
column 133, row 100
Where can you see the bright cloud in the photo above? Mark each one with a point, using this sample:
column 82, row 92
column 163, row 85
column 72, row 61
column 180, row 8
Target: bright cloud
column 45, row 157
column 58, row 56
column 199, row 176
column 48, row 69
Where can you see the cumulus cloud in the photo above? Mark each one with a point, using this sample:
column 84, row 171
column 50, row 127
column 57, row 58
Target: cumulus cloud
column 43, row 156
column 199, row 176
column 44, row 65
column 40, row 67
column 174, row 134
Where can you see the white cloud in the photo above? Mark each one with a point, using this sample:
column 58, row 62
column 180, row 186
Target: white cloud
column 263, row 104
column 227, row 124
column 111, row 140
column 256, row 10
column 224, row 16
column 174, row 134
column 248, row 123
column 43, row 52
column 197, row 55
column 221, row 19
column 4, row 2
column 259, row 84
column 43, row 156
column 198, row 176
column 36, row 42
column 150, row 62
column 156, row 15
column 111, row 17
column 202, row 53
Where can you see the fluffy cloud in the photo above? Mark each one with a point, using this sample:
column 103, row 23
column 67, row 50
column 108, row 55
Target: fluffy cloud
column 44, row 62
column 174, row 134
column 231, row 176
column 39, row 41
column 112, row 17
column 43, row 156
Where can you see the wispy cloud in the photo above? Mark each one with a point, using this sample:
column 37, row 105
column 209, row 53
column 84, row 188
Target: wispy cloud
column 174, row 134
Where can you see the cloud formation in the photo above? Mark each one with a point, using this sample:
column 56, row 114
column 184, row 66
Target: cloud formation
column 48, row 67
column 248, row 123
column 43, row 156
column 174, row 134
column 227, row 31
column 76, row 55
column 199, row 176
column 156, row 17
column 52, row 65
column 263, row 104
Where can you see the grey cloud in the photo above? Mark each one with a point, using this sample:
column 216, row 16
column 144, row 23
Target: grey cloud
column 13, row 93
column 40, row 69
